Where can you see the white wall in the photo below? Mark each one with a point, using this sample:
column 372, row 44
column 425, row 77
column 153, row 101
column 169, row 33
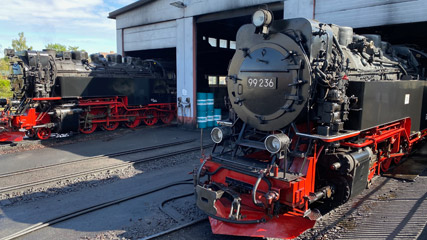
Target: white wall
column 359, row 13
column 186, row 67
column 153, row 36
column 298, row 8
column 161, row 10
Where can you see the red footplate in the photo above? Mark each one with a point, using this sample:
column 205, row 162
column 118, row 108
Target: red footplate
column 283, row 226
column 11, row 136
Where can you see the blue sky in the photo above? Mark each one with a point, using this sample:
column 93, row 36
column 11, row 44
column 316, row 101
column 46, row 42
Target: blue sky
column 82, row 23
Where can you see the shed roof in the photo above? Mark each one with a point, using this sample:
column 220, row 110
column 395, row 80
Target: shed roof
column 128, row 8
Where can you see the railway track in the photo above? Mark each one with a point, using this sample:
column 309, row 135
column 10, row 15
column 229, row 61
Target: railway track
column 183, row 223
column 110, row 155
column 112, row 166
column 102, row 205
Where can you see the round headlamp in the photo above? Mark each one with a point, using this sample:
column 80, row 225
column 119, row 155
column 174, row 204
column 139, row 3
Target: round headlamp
column 262, row 17
column 277, row 142
column 220, row 133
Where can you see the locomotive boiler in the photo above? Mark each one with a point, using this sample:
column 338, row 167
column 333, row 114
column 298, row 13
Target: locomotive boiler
column 62, row 92
column 317, row 112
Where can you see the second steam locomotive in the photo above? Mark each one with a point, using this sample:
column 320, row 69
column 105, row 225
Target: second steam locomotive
column 62, row 92
column 317, row 112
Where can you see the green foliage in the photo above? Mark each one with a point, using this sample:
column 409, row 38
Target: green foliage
column 56, row 46
column 5, row 88
column 4, row 64
column 61, row 48
column 20, row 44
column 4, row 82
column 75, row 48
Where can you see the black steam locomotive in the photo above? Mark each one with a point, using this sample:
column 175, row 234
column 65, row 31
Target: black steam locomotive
column 65, row 92
column 317, row 111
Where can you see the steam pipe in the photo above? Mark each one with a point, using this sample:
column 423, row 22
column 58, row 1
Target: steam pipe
column 254, row 190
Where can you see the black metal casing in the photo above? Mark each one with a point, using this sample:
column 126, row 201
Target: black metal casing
column 381, row 102
column 139, row 90
column 424, row 108
column 279, row 57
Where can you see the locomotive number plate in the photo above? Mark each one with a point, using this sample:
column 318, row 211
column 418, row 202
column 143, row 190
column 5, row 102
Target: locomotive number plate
column 262, row 82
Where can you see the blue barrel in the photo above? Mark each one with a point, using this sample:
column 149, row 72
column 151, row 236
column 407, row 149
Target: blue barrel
column 210, row 102
column 217, row 116
column 202, row 121
column 210, row 118
column 201, row 102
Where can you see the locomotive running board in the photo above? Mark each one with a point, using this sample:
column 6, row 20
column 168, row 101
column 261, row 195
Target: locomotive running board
column 331, row 138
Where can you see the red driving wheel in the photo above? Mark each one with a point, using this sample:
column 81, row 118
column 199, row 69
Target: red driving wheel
column 150, row 117
column 43, row 133
column 385, row 165
column 111, row 126
column 134, row 121
column 90, row 128
column 167, row 117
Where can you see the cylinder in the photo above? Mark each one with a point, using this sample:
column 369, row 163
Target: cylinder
column 201, row 102
column 217, row 116
column 210, row 102
column 210, row 119
column 202, row 121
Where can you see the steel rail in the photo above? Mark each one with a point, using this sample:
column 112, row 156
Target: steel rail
column 115, row 166
column 184, row 225
column 83, row 211
column 174, row 229
column 110, row 155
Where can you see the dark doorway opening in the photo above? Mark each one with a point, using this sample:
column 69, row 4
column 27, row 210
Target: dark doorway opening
column 216, row 36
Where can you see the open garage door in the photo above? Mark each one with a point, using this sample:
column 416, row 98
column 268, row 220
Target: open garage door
column 216, row 35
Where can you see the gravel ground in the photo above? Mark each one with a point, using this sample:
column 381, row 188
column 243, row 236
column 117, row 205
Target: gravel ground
column 92, row 180
column 186, row 206
column 140, row 228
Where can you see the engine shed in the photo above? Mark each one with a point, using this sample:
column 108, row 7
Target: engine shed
column 198, row 36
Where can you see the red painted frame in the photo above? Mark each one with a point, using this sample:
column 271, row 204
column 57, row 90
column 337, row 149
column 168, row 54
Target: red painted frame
column 390, row 141
column 117, row 109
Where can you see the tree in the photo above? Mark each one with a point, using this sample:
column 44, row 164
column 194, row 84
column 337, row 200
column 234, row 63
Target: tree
column 75, row 48
column 56, row 46
column 20, row 44
column 4, row 82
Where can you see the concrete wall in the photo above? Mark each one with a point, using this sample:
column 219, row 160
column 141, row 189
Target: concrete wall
column 359, row 13
column 186, row 69
column 161, row 10
column 153, row 36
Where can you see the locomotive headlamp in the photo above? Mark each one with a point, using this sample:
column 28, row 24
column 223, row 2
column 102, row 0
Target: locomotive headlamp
column 262, row 18
column 277, row 142
column 220, row 133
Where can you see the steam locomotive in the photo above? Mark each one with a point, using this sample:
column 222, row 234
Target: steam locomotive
column 64, row 92
column 317, row 112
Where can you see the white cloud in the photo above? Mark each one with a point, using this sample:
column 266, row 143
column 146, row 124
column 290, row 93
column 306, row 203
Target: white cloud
column 58, row 14
column 62, row 21
column 59, row 9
